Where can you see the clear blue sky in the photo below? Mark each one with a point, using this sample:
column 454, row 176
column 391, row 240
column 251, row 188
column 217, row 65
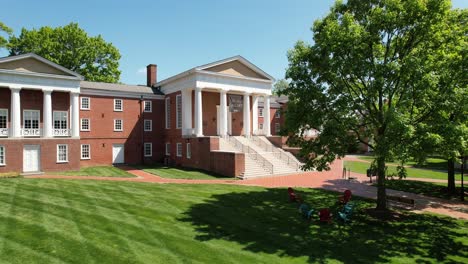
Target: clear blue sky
column 178, row 35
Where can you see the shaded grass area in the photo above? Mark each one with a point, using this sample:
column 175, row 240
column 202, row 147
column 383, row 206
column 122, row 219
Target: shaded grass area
column 431, row 163
column 49, row 221
column 181, row 173
column 101, row 171
column 361, row 167
column 438, row 190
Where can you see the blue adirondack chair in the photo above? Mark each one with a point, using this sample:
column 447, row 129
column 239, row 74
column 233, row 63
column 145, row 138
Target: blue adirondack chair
column 306, row 211
column 346, row 213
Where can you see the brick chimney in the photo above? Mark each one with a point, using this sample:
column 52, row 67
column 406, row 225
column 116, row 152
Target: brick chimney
column 151, row 74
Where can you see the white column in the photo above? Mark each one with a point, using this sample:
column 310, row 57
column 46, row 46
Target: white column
column 15, row 112
column 266, row 116
column 47, row 109
column 247, row 114
column 254, row 114
column 187, row 112
column 198, row 113
column 223, row 113
column 75, row 114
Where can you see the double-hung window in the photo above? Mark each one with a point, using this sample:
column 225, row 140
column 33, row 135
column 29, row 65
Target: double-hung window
column 85, row 103
column 278, row 114
column 60, row 120
column 148, row 149
column 179, row 149
column 31, row 119
column 118, row 105
column 118, row 125
column 85, row 124
column 260, row 112
column 2, row 156
column 168, row 113
column 179, row 111
column 148, row 125
column 148, row 106
column 189, row 151
column 4, row 122
column 62, row 153
column 168, row 149
column 85, row 152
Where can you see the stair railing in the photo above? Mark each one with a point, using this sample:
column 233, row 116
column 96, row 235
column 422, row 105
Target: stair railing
column 252, row 153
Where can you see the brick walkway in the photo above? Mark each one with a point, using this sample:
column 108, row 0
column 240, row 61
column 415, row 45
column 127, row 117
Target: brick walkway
column 328, row 180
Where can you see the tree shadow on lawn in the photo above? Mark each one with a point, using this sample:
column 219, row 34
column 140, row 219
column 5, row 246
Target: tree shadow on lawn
column 264, row 222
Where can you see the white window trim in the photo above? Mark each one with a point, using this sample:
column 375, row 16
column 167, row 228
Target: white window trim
column 179, row 154
column 166, row 114
column 277, row 127
column 58, row 153
column 6, row 109
column 115, row 123
column 4, row 156
column 278, row 114
column 188, row 151
column 89, row 151
column 53, row 119
column 168, row 149
column 150, row 104
column 81, row 103
column 121, row 105
column 151, row 125
column 81, row 124
column 151, row 149
column 260, row 113
column 177, row 111
column 24, row 117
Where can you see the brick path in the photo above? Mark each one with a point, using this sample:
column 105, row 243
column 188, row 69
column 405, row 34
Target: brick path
column 329, row 180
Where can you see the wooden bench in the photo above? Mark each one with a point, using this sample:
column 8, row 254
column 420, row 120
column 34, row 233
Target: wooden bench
column 400, row 200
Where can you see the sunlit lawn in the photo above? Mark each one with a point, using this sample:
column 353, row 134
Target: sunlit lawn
column 102, row 171
column 180, row 173
column 361, row 167
column 73, row 221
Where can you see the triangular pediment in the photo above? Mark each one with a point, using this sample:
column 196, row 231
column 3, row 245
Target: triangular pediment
column 32, row 63
column 236, row 66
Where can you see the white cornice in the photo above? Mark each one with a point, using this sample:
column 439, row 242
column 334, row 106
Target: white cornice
column 37, row 74
column 87, row 91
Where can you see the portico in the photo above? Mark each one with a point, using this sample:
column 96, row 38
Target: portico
column 221, row 98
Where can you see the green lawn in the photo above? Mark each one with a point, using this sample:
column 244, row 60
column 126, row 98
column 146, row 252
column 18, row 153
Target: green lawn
column 102, row 171
column 64, row 221
column 438, row 190
column 431, row 163
column 361, row 167
column 181, row 173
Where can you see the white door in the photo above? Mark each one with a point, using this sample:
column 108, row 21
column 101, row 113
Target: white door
column 31, row 158
column 118, row 153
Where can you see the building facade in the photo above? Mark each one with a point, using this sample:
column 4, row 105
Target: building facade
column 53, row 120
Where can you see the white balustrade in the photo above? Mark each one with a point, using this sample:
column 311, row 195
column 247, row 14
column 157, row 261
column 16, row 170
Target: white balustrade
column 4, row 132
column 31, row 132
column 61, row 132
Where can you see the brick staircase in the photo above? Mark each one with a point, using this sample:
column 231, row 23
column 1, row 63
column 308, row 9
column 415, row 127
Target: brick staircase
column 261, row 157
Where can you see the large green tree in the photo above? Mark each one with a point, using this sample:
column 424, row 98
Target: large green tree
column 71, row 47
column 370, row 73
column 6, row 30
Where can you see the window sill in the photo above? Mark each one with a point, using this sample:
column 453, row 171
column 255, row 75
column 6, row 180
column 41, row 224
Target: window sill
column 118, row 110
column 85, row 158
column 85, row 109
column 148, row 130
column 60, row 162
column 149, row 156
column 2, row 165
column 118, row 130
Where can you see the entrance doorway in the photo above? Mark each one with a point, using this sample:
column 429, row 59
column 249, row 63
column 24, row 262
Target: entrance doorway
column 31, row 158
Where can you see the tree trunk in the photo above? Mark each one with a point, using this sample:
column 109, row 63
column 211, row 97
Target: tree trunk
column 451, row 176
column 381, row 192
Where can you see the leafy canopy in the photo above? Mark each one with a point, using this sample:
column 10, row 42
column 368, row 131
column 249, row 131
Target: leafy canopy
column 71, row 47
column 371, row 73
column 7, row 31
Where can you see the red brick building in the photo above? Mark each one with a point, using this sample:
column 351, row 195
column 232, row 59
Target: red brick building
column 53, row 120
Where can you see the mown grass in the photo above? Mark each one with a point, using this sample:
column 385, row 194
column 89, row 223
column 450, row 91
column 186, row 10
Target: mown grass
column 438, row 190
column 101, row 171
column 57, row 221
column 431, row 163
column 5, row 175
column 361, row 167
column 181, row 173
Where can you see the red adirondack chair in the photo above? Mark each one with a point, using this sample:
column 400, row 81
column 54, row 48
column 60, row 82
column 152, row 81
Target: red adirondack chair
column 325, row 215
column 293, row 197
column 346, row 197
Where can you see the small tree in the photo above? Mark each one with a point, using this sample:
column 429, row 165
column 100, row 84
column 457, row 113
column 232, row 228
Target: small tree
column 71, row 47
column 370, row 73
